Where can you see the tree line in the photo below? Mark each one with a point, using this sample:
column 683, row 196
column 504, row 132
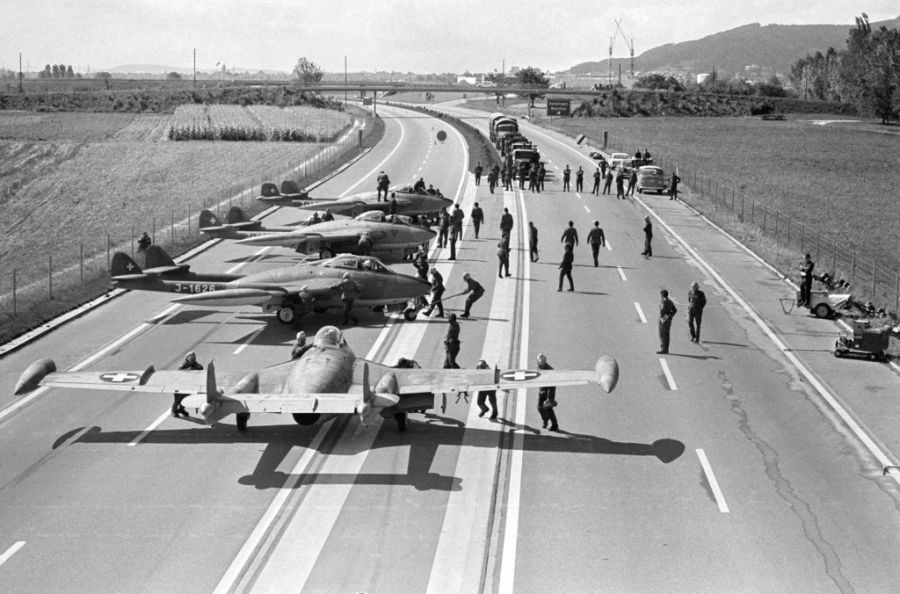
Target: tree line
column 865, row 74
column 58, row 71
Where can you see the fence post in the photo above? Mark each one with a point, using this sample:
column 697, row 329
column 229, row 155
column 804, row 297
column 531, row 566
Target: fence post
column 172, row 226
column 107, row 251
column 852, row 267
column 50, row 274
column 874, row 275
column 16, row 309
column 132, row 241
column 834, row 256
column 154, row 229
column 81, row 263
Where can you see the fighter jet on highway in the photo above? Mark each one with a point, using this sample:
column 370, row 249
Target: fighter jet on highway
column 238, row 226
column 326, row 380
column 409, row 202
column 290, row 194
column 390, row 237
column 291, row 291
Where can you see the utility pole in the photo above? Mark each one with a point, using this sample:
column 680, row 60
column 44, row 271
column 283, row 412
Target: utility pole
column 21, row 89
column 195, row 68
column 345, row 79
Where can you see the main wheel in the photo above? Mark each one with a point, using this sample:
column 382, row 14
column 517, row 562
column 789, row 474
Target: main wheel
column 822, row 310
column 286, row 315
column 640, row 190
column 242, row 419
column 326, row 253
column 410, row 314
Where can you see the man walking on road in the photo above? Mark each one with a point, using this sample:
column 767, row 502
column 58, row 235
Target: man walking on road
column 567, row 173
column 475, row 291
column 596, row 239
column 648, row 237
column 696, row 303
column 532, row 241
column 506, row 223
column 503, row 257
column 437, row 292
column 565, row 268
column 478, row 170
column 579, row 179
column 451, row 343
column 667, row 311
column 547, row 398
column 477, row 218
column 570, row 236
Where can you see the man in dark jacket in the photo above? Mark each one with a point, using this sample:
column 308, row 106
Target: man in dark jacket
column 349, row 291
column 567, row 174
column 532, row 241
column 475, row 291
column 191, row 363
column 485, row 396
column 565, row 268
column 451, row 343
column 503, row 257
column 477, row 218
column 648, row 237
column 595, row 239
column 667, row 311
column 570, row 235
column 547, row 398
column 506, row 223
column 437, row 292
column 696, row 303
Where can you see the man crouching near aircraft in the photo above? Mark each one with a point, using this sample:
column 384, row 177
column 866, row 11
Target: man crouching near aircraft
column 190, row 362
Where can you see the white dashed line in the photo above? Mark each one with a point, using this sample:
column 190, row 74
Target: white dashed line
column 621, row 273
column 669, row 378
column 586, row 208
column 713, row 484
column 637, row 306
column 608, row 246
column 11, row 551
column 149, row 429
column 247, row 342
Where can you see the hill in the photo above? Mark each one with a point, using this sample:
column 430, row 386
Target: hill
column 773, row 48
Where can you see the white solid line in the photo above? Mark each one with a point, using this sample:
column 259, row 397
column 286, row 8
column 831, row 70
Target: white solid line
column 370, row 175
column 150, row 429
column 713, row 484
column 637, row 306
column 11, row 551
column 247, row 342
column 621, row 273
column 669, row 378
column 608, row 246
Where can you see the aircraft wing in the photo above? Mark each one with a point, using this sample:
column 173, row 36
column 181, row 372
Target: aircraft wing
column 335, row 207
column 413, row 381
column 314, row 287
column 293, row 237
column 284, row 403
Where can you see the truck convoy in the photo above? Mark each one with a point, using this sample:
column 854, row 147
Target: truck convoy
column 517, row 151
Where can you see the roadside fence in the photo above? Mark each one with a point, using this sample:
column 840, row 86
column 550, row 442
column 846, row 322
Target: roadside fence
column 78, row 271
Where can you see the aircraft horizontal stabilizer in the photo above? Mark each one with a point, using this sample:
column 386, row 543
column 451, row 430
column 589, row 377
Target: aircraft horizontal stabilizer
column 228, row 297
column 127, row 277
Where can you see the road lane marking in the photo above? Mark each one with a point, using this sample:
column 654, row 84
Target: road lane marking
column 608, row 246
column 669, row 378
column 640, row 312
column 247, row 342
column 11, row 551
column 150, row 429
column 621, row 273
column 367, row 177
column 713, row 483
column 586, row 208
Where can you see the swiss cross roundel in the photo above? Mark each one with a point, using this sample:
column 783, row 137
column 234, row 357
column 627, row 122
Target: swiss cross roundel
column 119, row 378
column 519, row 375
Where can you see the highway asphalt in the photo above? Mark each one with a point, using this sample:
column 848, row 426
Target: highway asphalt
column 720, row 467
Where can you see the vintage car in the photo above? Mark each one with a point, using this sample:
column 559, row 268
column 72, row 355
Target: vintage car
column 650, row 178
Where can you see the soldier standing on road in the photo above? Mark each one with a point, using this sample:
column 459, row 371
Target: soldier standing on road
column 596, row 189
column 542, row 173
column 570, row 235
column 477, row 217
column 648, row 237
column 567, row 173
column 632, row 182
column 506, row 223
column 349, row 291
column 503, row 257
column 806, row 278
column 595, row 239
column 532, row 241
column 667, row 311
column 607, row 182
column 603, row 165
column 507, row 178
column 443, row 227
column 696, row 303
column 547, row 398
column 437, row 292
column 475, row 291
column 579, row 179
column 492, row 180
column 620, row 184
column 486, row 395
column 382, row 183
column 451, row 343
column 478, row 170
column 565, row 268
column 673, row 192
column 533, row 179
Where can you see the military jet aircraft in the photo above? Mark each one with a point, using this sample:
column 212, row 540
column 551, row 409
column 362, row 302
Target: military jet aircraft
column 290, row 194
column 390, row 237
column 291, row 291
column 238, row 226
column 325, row 381
column 409, row 202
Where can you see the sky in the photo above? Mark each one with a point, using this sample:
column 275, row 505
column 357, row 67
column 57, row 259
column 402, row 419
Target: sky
column 420, row 36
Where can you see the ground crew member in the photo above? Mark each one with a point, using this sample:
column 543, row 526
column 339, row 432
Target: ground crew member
column 327, row 216
column 507, row 178
column 190, row 363
column 144, row 242
column 300, row 345
column 565, row 268
column 443, row 227
column 570, row 235
column 477, row 217
column 542, row 173
column 349, row 291
column 503, row 257
column 806, row 278
column 315, row 219
column 475, row 291
column 567, row 173
column 632, row 182
column 492, row 179
column 437, row 292
column 648, row 237
column 478, row 170
column 603, row 166
column 596, row 239
column 364, row 245
column 419, row 186
column 579, row 179
column 523, row 171
column 696, row 303
column 673, row 193
column 596, row 189
column 382, row 182
column 451, row 343
column 620, row 184
column 547, row 398
column 506, row 223
column 532, row 241
column 607, row 182
column 392, row 206
column 533, row 180
column 420, row 261
column 486, row 395
column 667, row 311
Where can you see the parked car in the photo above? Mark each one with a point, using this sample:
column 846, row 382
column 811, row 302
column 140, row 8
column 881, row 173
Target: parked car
column 597, row 156
column 620, row 163
column 651, row 178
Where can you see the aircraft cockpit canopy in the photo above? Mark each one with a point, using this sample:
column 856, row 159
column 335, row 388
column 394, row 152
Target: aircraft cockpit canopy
column 351, row 262
column 404, row 189
column 375, row 216
column 328, row 336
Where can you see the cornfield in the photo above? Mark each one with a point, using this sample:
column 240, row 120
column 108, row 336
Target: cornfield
column 256, row 122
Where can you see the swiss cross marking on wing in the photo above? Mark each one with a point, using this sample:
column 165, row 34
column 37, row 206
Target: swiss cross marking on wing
column 118, row 378
column 519, row 375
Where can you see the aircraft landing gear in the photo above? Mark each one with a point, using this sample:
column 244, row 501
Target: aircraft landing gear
column 286, row 315
column 410, row 314
column 242, row 419
column 401, row 421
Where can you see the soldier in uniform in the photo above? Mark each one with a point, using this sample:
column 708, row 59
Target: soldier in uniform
column 595, row 239
column 144, row 242
column 667, row 311
column 478, row 170
column 190, row 363
column 300, row 345
column 565, row 268
column 382, row 182
column 349, row 291
column 475, row 291
column 806, row 278
column 532, row 241
column 567, row 173
column 437, row 292
column 579, row 179
column 364, row 245
column 477, row 217
column 570, row 235
column 503, row 257
column 597, row 176
column 506, row 223
column 486, row 395
column 648, row 237
column 451, row 343
column 696, row 303
column 547, row 398
column 443, row 227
